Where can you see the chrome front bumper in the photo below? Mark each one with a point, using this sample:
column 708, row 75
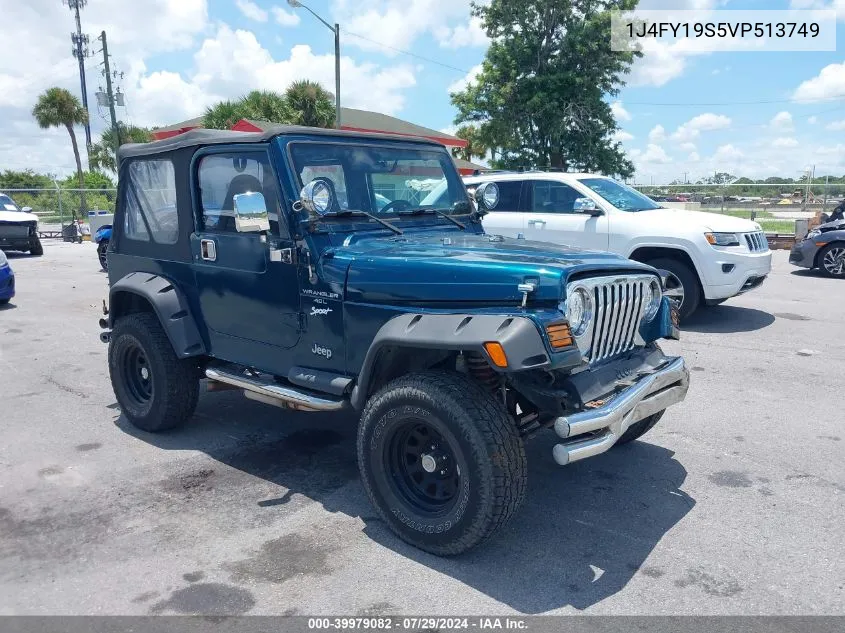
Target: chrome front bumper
column 650, row 393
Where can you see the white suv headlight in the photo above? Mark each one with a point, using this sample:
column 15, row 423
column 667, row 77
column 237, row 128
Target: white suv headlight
column 722, row 239
column 654, row 295
column 579, row 310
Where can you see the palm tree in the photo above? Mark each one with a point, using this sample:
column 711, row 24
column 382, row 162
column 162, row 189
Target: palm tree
column 103, row 156
column 223, row 115
column 310, row 104
column 265, row 105
column 475, row 146
column 57, row 107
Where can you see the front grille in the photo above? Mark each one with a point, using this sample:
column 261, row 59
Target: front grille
column 16, row 229
column 757, row 242
column 618, row 307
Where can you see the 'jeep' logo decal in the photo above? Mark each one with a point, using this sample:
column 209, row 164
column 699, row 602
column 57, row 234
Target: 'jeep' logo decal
column 321, row 351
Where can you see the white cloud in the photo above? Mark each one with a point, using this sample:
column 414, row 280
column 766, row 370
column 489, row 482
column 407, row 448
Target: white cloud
column 687, row 147
column 619, row 111
column 836, row 5
column 284, row 18
column 727, row 154
column 783, row 142
column 622, row 136
column 657, row 134
column 813, row 120
column 462, row 83
column 398, row 23
column 836, row 126
column 660, row 64
column 469, row 34
column 693, row 157
column 653, row 155
column 693, row 128
column 251, row 10
column 782, row 121
column 828, row 84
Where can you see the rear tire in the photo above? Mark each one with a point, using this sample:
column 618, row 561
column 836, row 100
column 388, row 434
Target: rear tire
column 441, row 461
column 156, row 390
column 638, row 429
column 102, row 247
column 37, row 249
column 688, row 280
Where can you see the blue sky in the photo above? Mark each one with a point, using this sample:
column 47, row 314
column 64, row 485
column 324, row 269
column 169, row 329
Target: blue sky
column 178, row 56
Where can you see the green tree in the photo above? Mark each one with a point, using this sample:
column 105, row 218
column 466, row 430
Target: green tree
column 541, row 97
column 57, row 107
column 264, row 105
column 102, row 156
column 310, row 104
column 475, row 144
column 223, row 115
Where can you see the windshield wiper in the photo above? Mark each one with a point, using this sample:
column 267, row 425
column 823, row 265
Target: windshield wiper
column 438, row 212
column 364, row 214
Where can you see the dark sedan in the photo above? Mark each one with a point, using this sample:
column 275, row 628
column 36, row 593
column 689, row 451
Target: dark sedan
column 823, row 248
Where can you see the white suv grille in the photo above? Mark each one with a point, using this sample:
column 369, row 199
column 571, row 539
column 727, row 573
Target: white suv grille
column 757, row 242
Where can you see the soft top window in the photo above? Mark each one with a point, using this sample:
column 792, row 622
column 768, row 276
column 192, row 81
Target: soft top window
column 150, row 207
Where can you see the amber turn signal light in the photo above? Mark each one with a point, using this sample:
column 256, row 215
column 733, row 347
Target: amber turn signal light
column 559, row 335
column 496, row 353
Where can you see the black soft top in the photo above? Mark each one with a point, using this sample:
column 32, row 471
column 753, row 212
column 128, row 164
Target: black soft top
column 202, row 137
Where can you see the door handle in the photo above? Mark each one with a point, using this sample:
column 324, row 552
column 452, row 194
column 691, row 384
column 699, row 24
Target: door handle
column 535, row 222
column 208, row 250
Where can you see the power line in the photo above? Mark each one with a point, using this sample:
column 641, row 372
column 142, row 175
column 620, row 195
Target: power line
column 410, row 54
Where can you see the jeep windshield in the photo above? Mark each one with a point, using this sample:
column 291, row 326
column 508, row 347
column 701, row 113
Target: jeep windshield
column 398, row 181
column 620, row 196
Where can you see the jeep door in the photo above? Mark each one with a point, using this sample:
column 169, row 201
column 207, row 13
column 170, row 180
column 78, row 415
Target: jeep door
column 551, row 217
column 247, row 282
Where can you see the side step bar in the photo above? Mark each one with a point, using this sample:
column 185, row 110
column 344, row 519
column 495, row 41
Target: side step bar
column 268, row 391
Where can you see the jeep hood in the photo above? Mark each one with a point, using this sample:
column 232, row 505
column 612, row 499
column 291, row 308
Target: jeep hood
column 685, row 220
column 457, row 267
column 17, row 216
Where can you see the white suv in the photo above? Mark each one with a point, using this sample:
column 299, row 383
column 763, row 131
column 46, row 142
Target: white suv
column 707, row 257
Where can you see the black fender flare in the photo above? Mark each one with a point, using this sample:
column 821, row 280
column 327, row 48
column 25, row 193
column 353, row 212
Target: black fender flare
column 520, row 337
column 170, row 305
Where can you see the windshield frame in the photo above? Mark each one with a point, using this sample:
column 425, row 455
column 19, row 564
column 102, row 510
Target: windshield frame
column 451, row 175
column 585, row 182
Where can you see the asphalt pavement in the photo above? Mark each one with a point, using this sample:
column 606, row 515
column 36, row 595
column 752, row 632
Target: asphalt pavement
column 733, row 504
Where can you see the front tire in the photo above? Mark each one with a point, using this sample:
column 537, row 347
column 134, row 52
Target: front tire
column 638, row 429
column 832, row 260
column 441, row 461
column 156, row 390
column 36, row 248
column 682, row 286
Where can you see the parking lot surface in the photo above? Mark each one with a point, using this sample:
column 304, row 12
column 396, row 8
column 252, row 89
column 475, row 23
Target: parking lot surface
column 733, row 504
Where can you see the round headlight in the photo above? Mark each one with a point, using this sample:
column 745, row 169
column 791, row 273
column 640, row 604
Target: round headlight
column 316, row 196
column 487, row 195
column 3, row 260
column 654, row 295
column 579, row 311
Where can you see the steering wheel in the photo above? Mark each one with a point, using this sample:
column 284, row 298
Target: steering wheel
column 399, row 205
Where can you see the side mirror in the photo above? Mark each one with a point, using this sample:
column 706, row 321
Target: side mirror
column 487, row 196
column 251, row 212
column 586, row 205
column 26, row 209
column 318, row 196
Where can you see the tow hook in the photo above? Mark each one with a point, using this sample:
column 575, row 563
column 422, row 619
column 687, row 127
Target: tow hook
column 105, row 336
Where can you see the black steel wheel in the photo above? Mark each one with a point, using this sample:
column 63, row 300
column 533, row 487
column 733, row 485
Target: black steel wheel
column 441, row 461
column 426, row 472
column 155, row 389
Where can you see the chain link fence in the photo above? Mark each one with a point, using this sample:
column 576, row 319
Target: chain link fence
column 56, row 207
column 774, row 205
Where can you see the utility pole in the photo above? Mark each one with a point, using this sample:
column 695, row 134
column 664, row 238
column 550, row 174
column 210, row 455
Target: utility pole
column 80, row 52
column 109, row 94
